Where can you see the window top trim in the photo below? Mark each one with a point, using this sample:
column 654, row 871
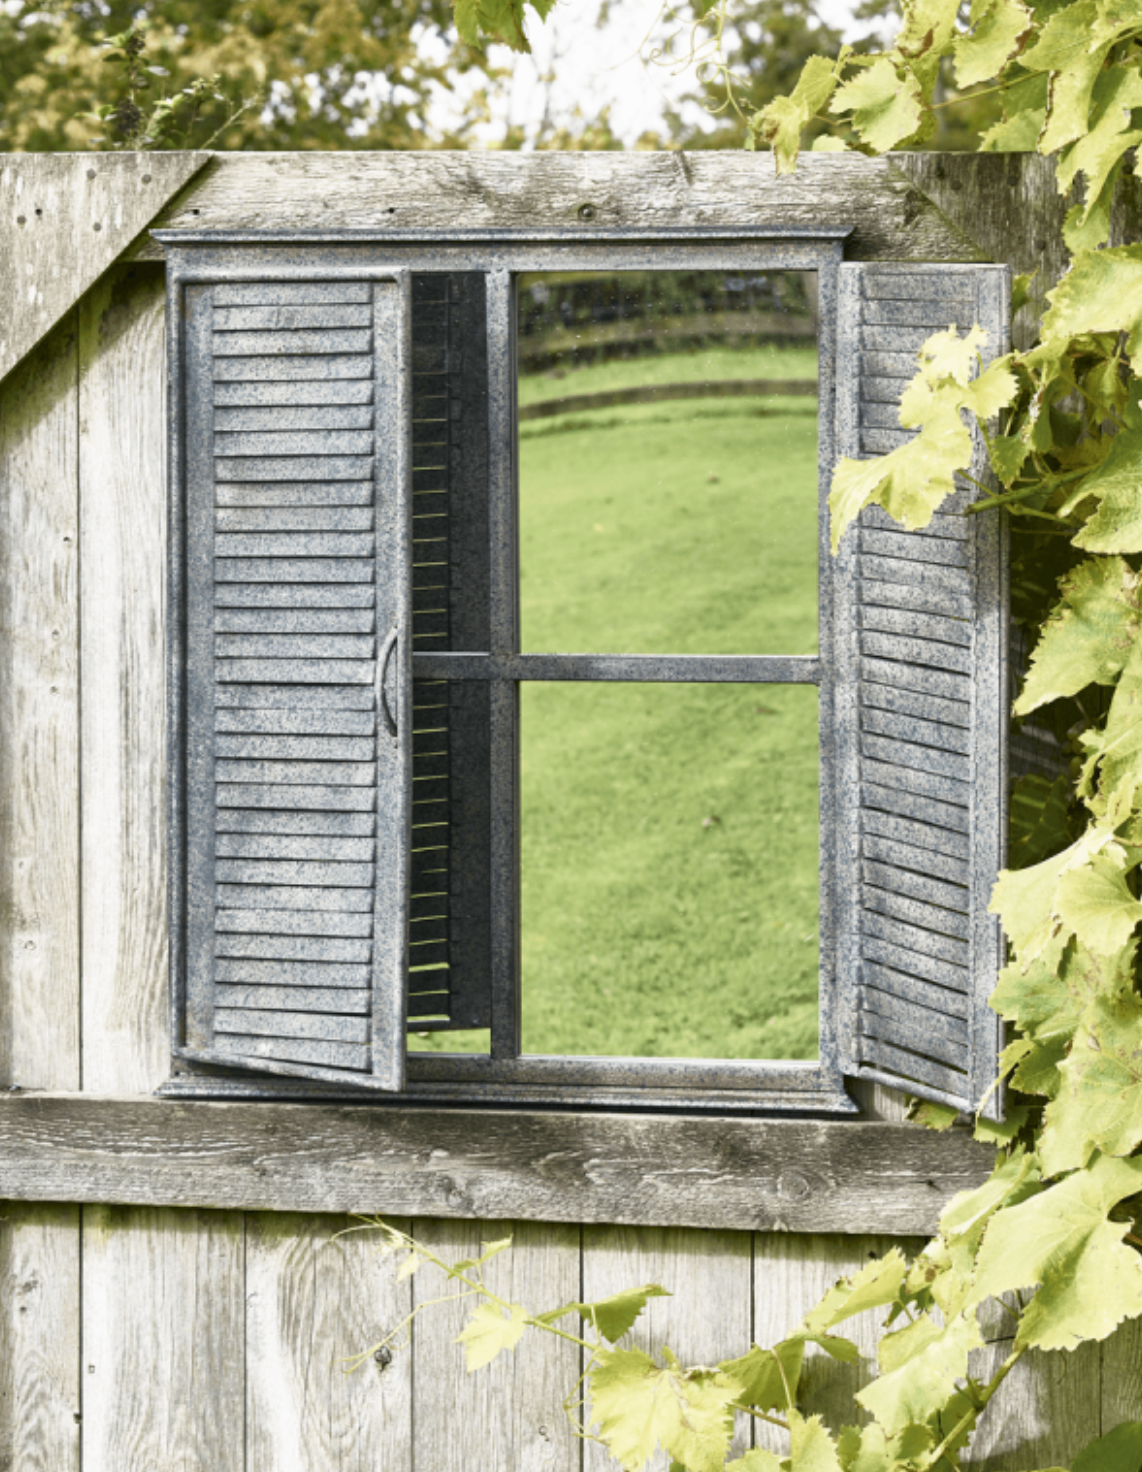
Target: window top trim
column 576, row 231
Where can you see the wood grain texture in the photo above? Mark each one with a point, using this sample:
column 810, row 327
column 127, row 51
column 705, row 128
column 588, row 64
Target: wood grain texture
column 620, row 1169
column 163, row 1365
column 791, row 1275
column 708, row 1316
column 1121, row 1376
column 39, row 1338
column 64, row 219
column 1043, row 1414
column 1013, row 212
column 507, row 1417
column 893, row 218
column 39, row 721
column 314, row 1299
column 122, row 538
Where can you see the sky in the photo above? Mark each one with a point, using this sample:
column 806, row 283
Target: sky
column 614, row 66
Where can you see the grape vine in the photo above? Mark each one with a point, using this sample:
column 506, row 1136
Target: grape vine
column 1054, row 1234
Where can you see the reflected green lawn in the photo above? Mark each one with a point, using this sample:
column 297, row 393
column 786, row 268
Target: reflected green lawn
column 669, row 833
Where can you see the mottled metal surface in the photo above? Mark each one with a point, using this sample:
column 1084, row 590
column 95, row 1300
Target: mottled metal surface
column 908, row 713
column 922, row 735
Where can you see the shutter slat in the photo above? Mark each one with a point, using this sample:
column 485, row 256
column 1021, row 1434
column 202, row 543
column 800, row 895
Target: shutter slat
column 908, row 937
column 906, row 728
column 292, row 973
column 911, row 703
column 259, row 344
column 299, row 493
column 241, row 395
column 245, row 896
column 912, row 805
column 923, row 617
column 293, row 922
column 921, row 835
column 914, row 624
column 354, row 1001
column 293, row 948
column 295, row 519
column 340, row 1056
column 910, row 859
column 945, row 924
column 285, row 317
column 910, row 1030
column 952, row 1004
column 946, row 551
column 290, row 293
column 890, row 953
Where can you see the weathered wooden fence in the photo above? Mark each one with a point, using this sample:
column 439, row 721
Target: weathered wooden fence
column 210, row 1336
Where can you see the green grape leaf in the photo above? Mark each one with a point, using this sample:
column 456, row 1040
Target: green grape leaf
column 927, row 31
column 763, row 1374
column 497, row 20
column 1069, row 98
column 614, row 1315
column 998, row 29
column 1062, row 1241
column 919, row 1369
column 1117, row 524
column 1008, row 454
column 781, row 123
column 1039, row 823
column 1002, row 1132
column 639, row 1404
column 1024, row 899
column 933, row 1116
column 490, row 1250
column 1118, row 748
column 910, row 482
column 877, row 1284
column 812, row 1448
column 488, row 1332
column 756, row 1460
column 1017, row 134
column 1102, row 292
column 1089, row 635
column 885, row 104
column 1095, row 903
column 1099, row 1102
column 1119, row 1450
column 969, row 1210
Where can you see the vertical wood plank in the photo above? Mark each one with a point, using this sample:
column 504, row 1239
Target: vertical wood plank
column 39, row 721
column 506, row 1417
column 39, row 1338
column 1122, row 1376
column 122, row 559
column 791, row 1274
column 314, row 1299
column 706, row 1319
column 39, row 885
column 163, row 1363
column 1043, row 1414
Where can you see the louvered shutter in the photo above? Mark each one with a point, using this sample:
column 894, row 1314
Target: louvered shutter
column 291, row 614
column 921, row 631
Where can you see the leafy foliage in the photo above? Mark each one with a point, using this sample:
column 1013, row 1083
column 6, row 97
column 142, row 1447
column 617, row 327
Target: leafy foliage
column 278, row 74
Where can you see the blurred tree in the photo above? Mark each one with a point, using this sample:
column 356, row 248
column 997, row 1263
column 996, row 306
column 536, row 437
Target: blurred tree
column 250, row 74
column 765, row 44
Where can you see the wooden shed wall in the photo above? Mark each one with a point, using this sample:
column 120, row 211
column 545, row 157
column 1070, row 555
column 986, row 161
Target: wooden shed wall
column 142, row 1339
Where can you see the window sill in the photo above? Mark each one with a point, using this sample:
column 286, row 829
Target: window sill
column 621, row 1169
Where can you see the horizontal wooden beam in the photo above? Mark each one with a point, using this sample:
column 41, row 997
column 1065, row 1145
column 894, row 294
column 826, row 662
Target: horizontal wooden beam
column 892, row 219
column 765, row 1175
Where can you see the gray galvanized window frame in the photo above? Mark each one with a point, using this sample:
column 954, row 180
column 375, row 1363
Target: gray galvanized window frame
column 762, row 1086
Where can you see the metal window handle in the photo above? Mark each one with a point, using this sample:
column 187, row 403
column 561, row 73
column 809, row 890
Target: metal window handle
column 382, row 670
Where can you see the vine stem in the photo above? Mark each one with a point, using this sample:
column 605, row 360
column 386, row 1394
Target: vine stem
column 962, row 1424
